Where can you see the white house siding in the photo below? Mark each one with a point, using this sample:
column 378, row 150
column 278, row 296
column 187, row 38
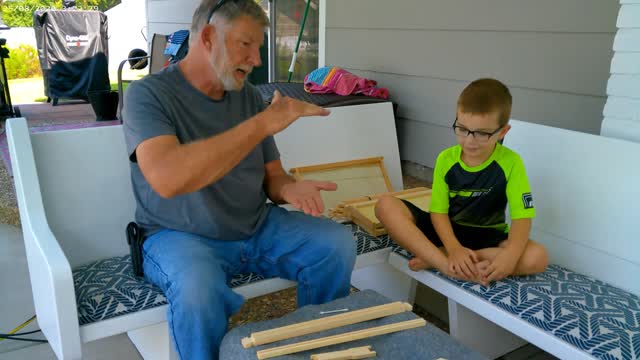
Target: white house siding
column 127, row 24
column 622, row 110
column 553, row 55
column 167, row 16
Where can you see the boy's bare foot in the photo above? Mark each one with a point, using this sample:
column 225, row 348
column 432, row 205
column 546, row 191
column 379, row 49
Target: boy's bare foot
column 482, row 268
column 480, row 279
column 417, row 264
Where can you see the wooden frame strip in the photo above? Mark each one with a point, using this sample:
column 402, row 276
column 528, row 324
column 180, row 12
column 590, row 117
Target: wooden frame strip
column 326, row 323
column 362, row 352
column 339, row 339
column 337, row 165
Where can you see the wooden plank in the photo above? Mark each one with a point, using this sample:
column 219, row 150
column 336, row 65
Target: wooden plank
column 339, row 339
column 326, row 323
column 362, row 352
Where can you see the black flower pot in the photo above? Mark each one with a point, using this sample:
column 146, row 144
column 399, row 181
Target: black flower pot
column 104, row 104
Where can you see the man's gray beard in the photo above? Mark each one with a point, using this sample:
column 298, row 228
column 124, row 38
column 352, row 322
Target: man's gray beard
column 228, row 80
column 230, row 83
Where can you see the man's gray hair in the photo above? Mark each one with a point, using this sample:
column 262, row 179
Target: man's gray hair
column 229, row 11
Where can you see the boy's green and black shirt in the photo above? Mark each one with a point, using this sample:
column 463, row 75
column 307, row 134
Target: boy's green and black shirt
column 477, row 196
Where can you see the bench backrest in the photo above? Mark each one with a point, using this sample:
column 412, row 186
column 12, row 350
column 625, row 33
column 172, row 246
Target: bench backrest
column 586, row 193
column 84, row 175
column 84, row 180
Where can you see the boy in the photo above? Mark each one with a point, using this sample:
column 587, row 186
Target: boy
column 465, row 235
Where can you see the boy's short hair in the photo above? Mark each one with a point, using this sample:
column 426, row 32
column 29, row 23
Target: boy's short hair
column 484, row 96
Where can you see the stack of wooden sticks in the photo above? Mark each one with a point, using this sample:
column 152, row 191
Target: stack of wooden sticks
column 362, row 210
column 332, row 322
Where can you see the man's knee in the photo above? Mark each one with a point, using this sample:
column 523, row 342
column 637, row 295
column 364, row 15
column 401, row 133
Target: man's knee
column 204, row 294
column 339, row 242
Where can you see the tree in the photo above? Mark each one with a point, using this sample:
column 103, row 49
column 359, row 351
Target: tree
column 20, row 13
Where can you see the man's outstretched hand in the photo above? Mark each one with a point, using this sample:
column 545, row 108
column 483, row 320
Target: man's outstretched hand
column 285, row 110
column 305, row 195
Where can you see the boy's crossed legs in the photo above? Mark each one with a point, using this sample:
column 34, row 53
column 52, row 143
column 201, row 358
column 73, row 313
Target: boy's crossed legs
column 404, row 227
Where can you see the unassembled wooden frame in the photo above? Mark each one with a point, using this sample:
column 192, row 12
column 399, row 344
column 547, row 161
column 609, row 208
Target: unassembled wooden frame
column 325, row 323
column 363, row 213
column 339, row 339
column 355, row 178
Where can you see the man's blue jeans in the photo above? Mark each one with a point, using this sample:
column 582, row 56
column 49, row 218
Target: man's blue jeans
column 193, row 272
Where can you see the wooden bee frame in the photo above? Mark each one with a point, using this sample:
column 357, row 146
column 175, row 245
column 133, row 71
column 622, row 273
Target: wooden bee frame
column 363, row 213
column 355, row 178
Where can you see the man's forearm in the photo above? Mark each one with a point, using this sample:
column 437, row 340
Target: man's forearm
column 190, row 167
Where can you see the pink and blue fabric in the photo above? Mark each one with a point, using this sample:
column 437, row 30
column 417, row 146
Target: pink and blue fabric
column 334, row 80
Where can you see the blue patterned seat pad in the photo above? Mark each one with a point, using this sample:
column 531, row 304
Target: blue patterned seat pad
column 595, row 317
column 107, row 288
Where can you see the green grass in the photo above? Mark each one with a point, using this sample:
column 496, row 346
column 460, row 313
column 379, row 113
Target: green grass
column 29, row 91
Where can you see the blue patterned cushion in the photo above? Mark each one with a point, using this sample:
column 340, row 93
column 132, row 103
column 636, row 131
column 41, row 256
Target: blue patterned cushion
column 108, row 288
column 596, row 317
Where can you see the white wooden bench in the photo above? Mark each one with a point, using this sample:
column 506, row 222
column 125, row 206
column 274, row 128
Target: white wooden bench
column 75, row 199
column 586, row 191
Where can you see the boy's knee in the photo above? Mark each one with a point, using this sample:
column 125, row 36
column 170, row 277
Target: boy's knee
column 385, row 205
column 536, row 258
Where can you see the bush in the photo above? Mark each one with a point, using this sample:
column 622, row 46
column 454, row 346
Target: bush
column 23, row 63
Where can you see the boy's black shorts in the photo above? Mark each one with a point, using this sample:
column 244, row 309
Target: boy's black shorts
column 471, row 237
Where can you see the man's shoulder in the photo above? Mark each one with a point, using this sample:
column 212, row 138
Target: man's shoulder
column 152, row 83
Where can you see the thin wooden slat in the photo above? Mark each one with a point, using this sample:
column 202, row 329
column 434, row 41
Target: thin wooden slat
column 339, row 339
column 362, row 352
column 326, row 323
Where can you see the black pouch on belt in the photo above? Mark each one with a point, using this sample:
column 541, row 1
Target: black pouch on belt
column 135, row 241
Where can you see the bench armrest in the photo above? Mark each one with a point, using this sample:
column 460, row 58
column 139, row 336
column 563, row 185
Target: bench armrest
column 49, row 270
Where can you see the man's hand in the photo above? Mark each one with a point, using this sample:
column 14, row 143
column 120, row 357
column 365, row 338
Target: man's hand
column 502, row 266
column 285, row 110
column 305, row 195
column 462, row 261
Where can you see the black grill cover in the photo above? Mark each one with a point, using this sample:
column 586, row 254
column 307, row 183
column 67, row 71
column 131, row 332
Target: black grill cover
column 73, row 51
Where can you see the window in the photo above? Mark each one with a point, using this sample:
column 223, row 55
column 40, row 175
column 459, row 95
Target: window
column 288, row 20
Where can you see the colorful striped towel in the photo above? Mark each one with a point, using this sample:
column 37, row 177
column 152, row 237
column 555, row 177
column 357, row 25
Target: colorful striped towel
column 328, row 80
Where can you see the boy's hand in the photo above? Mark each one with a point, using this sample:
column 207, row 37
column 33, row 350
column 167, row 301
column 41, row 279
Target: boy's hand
column 502, row 266
column 462, row 261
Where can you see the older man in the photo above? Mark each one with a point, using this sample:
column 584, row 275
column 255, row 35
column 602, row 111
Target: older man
column 203, row 163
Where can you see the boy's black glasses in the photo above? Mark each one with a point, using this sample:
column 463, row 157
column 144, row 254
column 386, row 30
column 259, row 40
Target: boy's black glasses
column 481, row 136
column 216, row 7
